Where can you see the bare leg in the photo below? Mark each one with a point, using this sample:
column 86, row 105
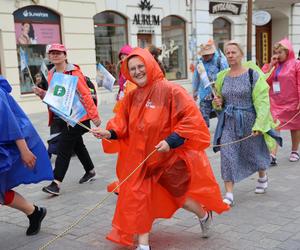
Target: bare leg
column 193, row 207
column 295, row 134
column 228, row 186
column 143, row 239
column 262, row 173
column 205, row 218
column 274, row 151
column 20, row 203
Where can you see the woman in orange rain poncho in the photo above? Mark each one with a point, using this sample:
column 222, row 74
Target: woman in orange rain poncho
column 159, row 114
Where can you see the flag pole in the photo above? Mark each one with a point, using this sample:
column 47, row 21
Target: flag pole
column 33, row 83
column 30, row 76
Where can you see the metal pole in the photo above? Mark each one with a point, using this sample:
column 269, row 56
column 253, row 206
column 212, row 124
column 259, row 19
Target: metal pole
column 249, row 30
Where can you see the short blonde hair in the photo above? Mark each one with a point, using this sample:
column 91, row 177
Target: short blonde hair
column 235, row 43
column 279, row 46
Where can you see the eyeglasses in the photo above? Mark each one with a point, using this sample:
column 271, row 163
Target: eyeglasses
column 139, row 67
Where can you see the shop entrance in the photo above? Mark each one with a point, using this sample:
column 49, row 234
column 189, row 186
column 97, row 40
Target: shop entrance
column 263, row 44
column 144, row 40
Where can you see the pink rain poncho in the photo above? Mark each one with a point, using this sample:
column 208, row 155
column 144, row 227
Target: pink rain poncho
column 284, row 104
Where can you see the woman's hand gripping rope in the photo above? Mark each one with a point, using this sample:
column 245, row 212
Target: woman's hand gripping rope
column 92, row 131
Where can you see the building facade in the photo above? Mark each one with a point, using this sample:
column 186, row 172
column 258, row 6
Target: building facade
column 94, row 31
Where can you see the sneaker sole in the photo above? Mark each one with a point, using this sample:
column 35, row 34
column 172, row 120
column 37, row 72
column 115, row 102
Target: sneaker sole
column 49, row 191
column 260, row 191
column 89, row 180
column 40, row 222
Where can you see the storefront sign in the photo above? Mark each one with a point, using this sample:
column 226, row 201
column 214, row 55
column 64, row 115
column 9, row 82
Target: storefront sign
column 35, row 14
column 142, row 19
column 146, row 20
column 261, row 17
column 221, row 7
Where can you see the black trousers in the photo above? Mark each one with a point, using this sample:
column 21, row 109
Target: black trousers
column 71, row 140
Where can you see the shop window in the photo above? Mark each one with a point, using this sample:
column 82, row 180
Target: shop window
column 110, row 37
column 35, row 28
column 222, row 32
column 174, row 47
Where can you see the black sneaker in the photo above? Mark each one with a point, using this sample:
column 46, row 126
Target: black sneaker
column 273, row 162
column 87, row 177
column 53, row 188
column 35, row 220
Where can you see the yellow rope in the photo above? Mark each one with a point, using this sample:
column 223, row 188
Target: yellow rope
column 88, row 129
column 233, row 142
column 279, row 127
column 96, row 206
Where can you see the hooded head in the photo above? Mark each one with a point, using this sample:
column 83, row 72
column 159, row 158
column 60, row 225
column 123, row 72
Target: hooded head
column 151, row 68
column 125, row 50
column 286, row 44
column 5, row 85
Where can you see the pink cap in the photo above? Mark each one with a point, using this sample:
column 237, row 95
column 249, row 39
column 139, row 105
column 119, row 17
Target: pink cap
column 57, row 47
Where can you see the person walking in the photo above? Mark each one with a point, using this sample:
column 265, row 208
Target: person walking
column 214, row 62
column 156, row 52
column 159, row 115
column 71, row 137
column 243, row 102
column 284, row 83
column 24, row 158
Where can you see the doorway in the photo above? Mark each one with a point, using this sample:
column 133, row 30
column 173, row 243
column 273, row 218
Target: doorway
column 144, row 40
column 263, row 44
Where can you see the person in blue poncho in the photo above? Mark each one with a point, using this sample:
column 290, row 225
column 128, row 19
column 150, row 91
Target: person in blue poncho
column 23, row 158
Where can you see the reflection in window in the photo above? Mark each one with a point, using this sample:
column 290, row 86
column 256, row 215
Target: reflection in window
column 174, row 47
column 110, row 37
column 222, row 32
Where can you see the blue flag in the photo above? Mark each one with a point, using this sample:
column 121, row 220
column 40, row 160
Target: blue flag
column 77, row 112
column 23, row 59
column 104, row 78
column 61, row 92
column 44, row 69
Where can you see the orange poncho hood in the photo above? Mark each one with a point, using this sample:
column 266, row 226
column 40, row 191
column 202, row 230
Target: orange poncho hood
column 153, row 70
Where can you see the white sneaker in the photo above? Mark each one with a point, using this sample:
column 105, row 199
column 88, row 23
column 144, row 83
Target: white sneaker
column 141, row 248
column 228, row 201
column 205, row 225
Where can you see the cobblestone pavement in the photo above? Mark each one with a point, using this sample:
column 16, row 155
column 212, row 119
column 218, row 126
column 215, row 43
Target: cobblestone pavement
column 269, row 221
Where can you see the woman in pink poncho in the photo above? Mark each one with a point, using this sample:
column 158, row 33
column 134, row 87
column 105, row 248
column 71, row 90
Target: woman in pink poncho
column 284, row 84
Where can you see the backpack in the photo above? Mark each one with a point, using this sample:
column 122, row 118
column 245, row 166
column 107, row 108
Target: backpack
column 91, row 87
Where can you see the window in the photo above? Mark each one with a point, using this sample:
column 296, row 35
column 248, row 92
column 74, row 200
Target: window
column 174, row 47
column 222, row 32
column 35, row 28
column 110, row 37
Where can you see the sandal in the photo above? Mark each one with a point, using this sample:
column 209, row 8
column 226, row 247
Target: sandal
column 273, row 162
column 294, row 156
column 261, row 186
